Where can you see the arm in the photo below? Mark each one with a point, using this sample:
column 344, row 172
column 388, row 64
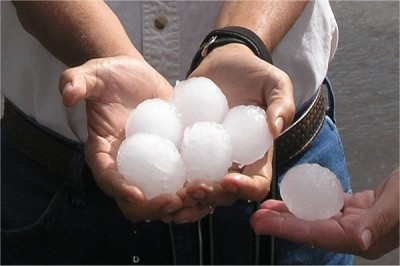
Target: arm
column 78, row 31
column 368, row 225
column 75, row 31
column 246, row 79
column 270, row 20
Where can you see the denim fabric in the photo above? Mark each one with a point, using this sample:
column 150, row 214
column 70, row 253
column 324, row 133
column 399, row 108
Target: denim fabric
column 49, row 219
column 326, row 150
column 42, row 223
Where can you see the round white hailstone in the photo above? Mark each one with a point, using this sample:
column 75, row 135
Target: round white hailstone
column 199, row 99
column 250, row 135
column 206, row 151
column 158, row 117
column 152, row 163
column 312, row 192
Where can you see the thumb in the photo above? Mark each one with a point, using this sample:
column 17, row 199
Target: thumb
column 382, row 219
column 78, row 83
column 280, row 113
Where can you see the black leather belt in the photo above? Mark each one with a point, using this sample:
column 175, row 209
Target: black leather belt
column 47, row 150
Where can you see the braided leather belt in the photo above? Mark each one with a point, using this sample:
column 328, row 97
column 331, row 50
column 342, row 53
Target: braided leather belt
column 47, row 149
column 297, row 138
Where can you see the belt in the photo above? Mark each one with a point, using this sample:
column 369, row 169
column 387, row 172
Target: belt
column 295, row 140
column 46, row 149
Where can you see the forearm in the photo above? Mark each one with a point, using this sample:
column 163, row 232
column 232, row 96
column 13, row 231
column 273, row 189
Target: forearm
column 75, row 31
column 270, row 20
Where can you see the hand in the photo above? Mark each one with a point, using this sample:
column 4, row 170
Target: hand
column 111, row 88
column 245, row 79
column 368, row 225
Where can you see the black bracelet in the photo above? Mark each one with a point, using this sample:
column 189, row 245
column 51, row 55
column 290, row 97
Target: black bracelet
column 233, row 34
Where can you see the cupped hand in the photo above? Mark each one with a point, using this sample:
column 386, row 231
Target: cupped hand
column 245, row 79
column 112, row 87
column 368, row 225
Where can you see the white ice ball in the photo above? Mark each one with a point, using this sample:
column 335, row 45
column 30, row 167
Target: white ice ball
column 250, row 135
column 206, row 151
column 199, row 99
column 312, row 192
column 158, row 117
column 152, row 163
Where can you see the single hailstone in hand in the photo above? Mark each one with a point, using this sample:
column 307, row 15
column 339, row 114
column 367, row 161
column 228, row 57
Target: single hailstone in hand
column 206, row 151
column 199, row 99
column 250, row 135
column 312, row 192
column 158, row 117
column 152, row 163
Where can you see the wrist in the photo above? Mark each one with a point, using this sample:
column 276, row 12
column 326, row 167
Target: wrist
column 230, row 35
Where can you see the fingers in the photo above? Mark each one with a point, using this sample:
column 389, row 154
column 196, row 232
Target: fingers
column 254, row 182
column 274, row 205
column 273, row 219
column 280, row 103
column 76, row 84
column 133, row 202
column 161, row 207
column 200, row 198
column 190, row 214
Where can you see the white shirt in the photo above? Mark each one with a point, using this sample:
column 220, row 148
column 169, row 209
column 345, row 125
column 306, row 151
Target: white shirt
column 30, row 74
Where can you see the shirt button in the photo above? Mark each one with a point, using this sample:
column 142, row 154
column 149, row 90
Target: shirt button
column 160, row 22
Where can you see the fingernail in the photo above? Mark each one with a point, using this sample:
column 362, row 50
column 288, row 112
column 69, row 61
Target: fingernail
column 183, row 222
column 367, row 238
column 67, row 86
column 170, row 208
column 189, row 202
column 231, row 188
column 130, row 200
column 198, row 194
column 279, row 124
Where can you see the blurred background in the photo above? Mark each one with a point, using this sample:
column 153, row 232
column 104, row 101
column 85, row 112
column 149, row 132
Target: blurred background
column 365, row 77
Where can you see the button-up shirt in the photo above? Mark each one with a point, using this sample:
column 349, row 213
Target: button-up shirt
column 167, row 33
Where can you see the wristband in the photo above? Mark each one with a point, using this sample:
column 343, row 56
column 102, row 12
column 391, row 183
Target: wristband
column 227, row 35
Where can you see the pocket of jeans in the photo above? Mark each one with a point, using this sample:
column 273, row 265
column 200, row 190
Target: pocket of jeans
column 32, row 197
column 44, row 222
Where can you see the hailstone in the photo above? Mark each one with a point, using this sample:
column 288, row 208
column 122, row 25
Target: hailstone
column 158, row 117
column 248, row 128
column 152, row 163
column 206, row 151
column 312, row 192
column 199, row 99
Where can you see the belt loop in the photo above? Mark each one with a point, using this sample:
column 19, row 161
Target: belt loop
column 78, row 196
column 330, row 111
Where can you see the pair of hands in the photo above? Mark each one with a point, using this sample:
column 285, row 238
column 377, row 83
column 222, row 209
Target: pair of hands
column 112, row 87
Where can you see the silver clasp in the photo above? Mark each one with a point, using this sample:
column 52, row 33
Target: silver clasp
column 204, row 52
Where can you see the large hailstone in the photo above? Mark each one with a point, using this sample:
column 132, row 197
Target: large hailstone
column 199, row 99
column 158, row 117
column 206, row 151
column 152, row 163
column 250, row 135
column 312, row 192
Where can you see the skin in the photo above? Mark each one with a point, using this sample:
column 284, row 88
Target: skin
column 113, row 77
column 264, row 86
column 367, row 226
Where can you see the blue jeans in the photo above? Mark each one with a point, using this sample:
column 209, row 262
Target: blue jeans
column 326, row 150
column 49, row 219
